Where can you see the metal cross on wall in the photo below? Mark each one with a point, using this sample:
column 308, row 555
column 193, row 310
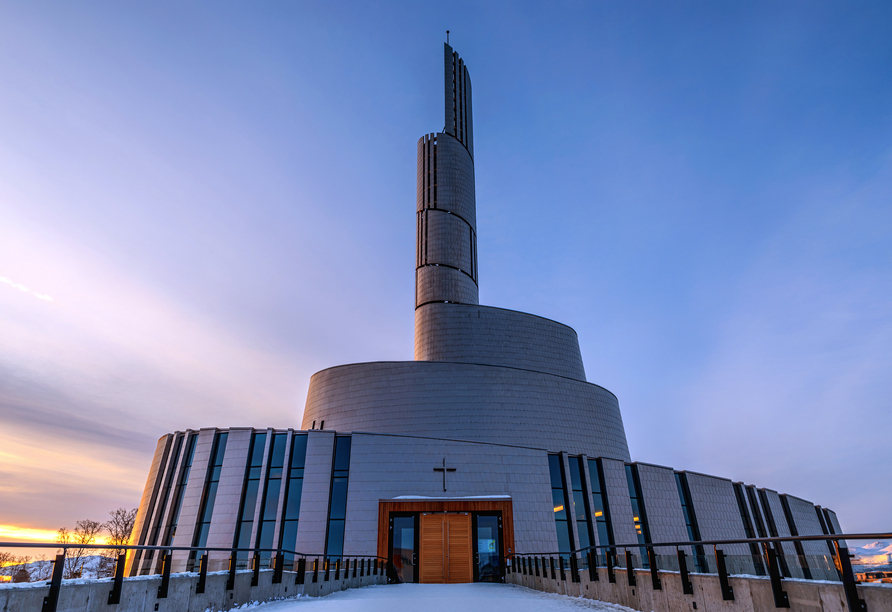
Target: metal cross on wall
column 444, row 469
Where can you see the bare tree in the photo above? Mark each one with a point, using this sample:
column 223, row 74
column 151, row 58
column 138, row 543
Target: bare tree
column 119, row 527
column 76, row 558
column 41, row 569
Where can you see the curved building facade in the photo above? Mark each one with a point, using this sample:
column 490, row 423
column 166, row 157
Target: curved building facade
column 492, row 432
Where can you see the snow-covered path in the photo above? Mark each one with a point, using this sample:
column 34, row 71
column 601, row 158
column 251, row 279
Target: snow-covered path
column 438, row 598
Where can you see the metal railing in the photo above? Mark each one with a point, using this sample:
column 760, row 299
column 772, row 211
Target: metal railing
column 766, row 556
column 322, row 567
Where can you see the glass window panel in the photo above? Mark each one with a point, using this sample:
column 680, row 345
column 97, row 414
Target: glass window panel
column 342, row 454
column 563, row 535
column 271, row 503
column 289, row 535
column 583, row 536
column 554, row 468
column 579, row 505
column 338, row 498
column 266, row 535
column 292, row 502
column 244, row 536
column 603, row 536
column 203, row 534
column 594, row 478
column 598, row 505
column 557, row 496
column 575, row 477
column 277, row 458
column 209, row 506
column 257, row 450
column 221, row 448
column 299, row 451
column 335, row 538
column 250, row 499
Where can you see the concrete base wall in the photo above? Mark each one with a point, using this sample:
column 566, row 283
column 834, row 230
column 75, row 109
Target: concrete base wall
column 141, row 594
column 751, row 594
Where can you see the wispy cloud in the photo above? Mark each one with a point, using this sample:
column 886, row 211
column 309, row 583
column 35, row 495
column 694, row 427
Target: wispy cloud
column 21, row 287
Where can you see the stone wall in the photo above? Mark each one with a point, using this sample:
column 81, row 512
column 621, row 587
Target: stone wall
column 141, row 594
column 751, row 594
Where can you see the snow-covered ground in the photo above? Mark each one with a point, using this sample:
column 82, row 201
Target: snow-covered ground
column 437, row 598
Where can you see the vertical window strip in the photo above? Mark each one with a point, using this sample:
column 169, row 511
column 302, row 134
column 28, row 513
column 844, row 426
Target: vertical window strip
column 431, row 147
column 215, row 465
column 788, row 514
column 748, row 529
column 757, row 515
column 461, row 96
column 690, row 520
column 293, row 490
column 580, row 505
column 177, row 505
column 250, row 489
column 772, row 531
column 337, row 504
column 464, row 98
column 454, row 101
column 161, row 507
column 434, row 204
column 561, row 505
column 600, row 508
column 638, row 512
column 269, row 505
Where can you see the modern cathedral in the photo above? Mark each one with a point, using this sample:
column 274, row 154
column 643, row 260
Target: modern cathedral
column 490, row 442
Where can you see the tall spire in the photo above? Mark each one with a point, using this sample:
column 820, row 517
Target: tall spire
column 458, row 117
column 446, row 245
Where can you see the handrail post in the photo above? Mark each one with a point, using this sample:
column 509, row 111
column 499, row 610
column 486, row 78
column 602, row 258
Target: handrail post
column 686, row 586
column 230, row 581
column 354, row 567
column 856, row 604
column 338, row 568
column 780, row 596
column 114, row 596
column 165, row 575
column 202, row 573
column 574, row 568
column 362, row 568
column 316, row 569
column 553, row 575
column 255, row 576
column 727, row 591
column 654, row 571
column 560, row 561
column 593, row 565
column 52, row 600
column 611, row 562
column 278, row 568
column 326, row 562
column 301, row 571
column 629, row 569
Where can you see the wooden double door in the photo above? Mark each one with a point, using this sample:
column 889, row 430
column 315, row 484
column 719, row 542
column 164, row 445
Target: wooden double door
column 446, row 548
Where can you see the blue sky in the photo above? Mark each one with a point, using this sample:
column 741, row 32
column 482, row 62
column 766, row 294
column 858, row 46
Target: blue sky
column 218, row 199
